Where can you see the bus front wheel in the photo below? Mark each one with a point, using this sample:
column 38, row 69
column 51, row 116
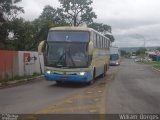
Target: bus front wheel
column 58, row 82
column 93, row 79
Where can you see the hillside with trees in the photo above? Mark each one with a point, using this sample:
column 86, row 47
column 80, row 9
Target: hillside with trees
column 18, row 34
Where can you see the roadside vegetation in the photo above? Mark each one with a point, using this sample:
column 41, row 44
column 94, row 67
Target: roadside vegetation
column 146, row 60
column 154, row 64
column 22, row 35
column 18, row 79
column 157, row 66
column 142, row 57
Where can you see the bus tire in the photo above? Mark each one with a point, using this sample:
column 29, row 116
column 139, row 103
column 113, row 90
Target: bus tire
column 104, row 71
column 94, row 77
column 107, row 67
column 58, row 82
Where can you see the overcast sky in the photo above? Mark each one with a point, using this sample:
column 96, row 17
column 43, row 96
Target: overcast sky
column 133, row 22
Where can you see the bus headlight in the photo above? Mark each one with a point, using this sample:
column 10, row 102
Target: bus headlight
column 48, row 72
column 82, row 73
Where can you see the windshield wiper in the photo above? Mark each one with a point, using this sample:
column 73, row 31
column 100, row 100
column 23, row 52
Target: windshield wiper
column 60, row 59
column 69, row 53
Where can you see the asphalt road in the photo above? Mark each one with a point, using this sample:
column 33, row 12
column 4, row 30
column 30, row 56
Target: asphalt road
column 46, row 97
column 135, row 89
column 128, row 88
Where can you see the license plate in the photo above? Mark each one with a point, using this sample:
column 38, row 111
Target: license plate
column 64, row 78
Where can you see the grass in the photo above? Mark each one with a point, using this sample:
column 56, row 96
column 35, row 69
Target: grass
column 157, row 66
column 5, row 81
column 154, row 64
column 150, row 62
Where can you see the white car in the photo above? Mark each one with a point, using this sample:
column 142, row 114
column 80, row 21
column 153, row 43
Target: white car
column 133, row 57
column 137, row 59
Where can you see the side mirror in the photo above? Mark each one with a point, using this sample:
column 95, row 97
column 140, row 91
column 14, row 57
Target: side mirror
column 90, row 48
column 41, row 47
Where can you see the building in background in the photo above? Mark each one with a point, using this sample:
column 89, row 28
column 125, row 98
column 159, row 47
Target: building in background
column 154, row 55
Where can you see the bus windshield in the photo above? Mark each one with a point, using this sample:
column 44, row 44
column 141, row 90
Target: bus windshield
column 66, row 54
column 114, row 57
column 72, row 36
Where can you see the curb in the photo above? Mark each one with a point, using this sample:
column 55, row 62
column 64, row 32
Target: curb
column 19, row 82
column 155, row 69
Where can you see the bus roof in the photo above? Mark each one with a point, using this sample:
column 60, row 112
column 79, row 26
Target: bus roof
column 76, row 28
column 72, row 28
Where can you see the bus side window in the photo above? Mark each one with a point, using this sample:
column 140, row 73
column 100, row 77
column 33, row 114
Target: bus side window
column 108, row 44
column 101, row 42
column 104, row 43
column 95, row 42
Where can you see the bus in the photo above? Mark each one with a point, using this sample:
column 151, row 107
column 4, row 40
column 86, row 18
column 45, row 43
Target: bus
column 75, row 54
column 114, row 56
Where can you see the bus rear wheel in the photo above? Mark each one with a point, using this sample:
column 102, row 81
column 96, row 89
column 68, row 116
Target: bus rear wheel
column 104, row 71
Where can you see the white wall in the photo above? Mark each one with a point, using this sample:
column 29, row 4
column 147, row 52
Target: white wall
column 31, row 67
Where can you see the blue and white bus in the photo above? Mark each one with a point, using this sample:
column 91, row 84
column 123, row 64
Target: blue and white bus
column 75, row 54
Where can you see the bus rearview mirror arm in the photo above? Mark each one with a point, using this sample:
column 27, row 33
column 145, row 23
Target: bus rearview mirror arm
column 41, row 47
column 90, row 48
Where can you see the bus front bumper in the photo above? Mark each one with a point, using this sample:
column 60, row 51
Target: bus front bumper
column 69, row 78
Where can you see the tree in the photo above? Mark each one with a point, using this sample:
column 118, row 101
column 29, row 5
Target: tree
column 8, row 12
column 100, row 27
column 27, row 35
column 77, row 12
column 24, row 35
column 53, row 15
column 141, row 52
column 104, row 29
column 125, row 53
column 50, row 17
column 110, row 36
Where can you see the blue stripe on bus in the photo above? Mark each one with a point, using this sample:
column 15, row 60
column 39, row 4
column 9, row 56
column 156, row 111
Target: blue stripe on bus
column 78, row 70
column 69, row 78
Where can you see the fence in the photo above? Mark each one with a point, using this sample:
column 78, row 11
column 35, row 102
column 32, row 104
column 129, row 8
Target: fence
column 20, row 63
column 8, row 64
